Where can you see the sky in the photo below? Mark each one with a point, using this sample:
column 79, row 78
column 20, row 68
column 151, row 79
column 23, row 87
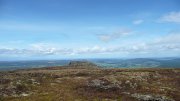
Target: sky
column 70, row 29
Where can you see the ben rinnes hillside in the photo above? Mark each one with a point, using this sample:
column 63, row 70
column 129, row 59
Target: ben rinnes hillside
column 85, row 81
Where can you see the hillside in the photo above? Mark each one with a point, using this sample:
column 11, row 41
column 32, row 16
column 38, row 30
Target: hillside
column 139, row 63
column 85, row 81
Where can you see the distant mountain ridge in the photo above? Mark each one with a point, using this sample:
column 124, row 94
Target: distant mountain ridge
column 140, row 63
column 106, row 63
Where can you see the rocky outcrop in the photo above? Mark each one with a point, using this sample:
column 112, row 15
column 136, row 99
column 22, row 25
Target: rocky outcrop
column 111, row 83
column 103, row 84
column 82, row 64
column 142, row 97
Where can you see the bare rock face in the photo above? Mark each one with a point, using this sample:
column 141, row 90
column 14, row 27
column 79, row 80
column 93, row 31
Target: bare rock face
column 82, row 64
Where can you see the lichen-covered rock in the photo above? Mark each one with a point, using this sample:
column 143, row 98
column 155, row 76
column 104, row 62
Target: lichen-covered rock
column 103, row 84
column 15, row 89
column 149, row 97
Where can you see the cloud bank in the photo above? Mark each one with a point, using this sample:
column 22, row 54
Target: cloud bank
column 173, row 17
column 162, row 45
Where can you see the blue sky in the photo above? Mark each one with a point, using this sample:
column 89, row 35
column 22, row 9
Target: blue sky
column 63, row 29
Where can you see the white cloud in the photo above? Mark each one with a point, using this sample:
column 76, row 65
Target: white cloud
column 138, row 48
column 137, row 22
column 68, row 51
column 169, row 43
column 114, row 35
column 172, row 37
column 173, row 17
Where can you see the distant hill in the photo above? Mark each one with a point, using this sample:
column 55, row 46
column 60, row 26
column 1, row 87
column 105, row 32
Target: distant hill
column 82, row 64
column 106, row 63
column 140, row 63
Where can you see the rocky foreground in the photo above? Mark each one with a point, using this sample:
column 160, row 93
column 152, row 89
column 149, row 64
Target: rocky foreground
column 84, row 81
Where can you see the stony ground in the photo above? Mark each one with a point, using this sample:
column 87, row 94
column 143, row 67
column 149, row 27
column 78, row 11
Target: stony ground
column 87, row 82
